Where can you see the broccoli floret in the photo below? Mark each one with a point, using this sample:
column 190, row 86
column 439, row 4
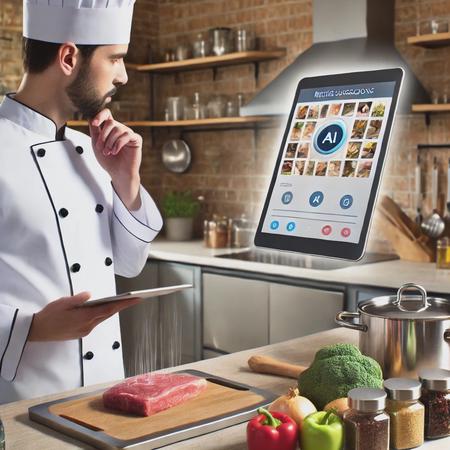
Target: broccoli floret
column 337, row 350
column 337, row 369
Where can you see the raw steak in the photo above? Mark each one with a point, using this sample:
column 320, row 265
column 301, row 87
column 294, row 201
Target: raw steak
column 150, row 393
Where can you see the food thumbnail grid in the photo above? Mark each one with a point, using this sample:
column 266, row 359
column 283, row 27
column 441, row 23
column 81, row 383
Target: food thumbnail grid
column 357, row 157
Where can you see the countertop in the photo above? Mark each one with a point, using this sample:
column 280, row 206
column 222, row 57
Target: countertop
column 390, row 274
column 22, row 434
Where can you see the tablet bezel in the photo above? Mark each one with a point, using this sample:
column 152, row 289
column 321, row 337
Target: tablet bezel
column 143, row 294
column 321, row 247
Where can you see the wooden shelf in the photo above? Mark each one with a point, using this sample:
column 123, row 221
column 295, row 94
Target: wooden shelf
column 430, row 40
column 431, row 108
column 209, row 61
column 222, row 122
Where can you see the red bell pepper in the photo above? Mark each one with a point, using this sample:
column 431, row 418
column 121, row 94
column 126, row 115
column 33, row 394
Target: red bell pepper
column 272, row 431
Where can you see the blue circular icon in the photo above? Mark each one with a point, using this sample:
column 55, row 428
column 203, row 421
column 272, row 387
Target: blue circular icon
column 274, row 225
column 330, row 137
column 316, row 199
column 346, row 201
column 287, row 197
column 290, row 226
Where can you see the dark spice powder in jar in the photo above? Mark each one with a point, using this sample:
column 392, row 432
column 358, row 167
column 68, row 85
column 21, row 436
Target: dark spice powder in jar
column 366, row 431
column 437, row 413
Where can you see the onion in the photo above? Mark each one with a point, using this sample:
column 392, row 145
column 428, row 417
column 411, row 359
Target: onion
column 340, row 405
column 293, row 405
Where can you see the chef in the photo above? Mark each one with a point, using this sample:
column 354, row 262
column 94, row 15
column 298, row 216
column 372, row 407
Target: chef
column 72, row 210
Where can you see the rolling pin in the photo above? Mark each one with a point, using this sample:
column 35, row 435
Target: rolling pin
column 272, row 366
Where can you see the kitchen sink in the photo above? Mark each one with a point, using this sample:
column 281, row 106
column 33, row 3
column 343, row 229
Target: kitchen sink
column 304, row 261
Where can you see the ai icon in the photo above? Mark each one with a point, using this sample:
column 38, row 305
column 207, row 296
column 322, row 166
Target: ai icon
column 330, row 137
column 316, row 199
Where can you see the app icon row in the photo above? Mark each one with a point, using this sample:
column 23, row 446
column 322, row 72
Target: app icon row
column 326, row 229
column 275, row 224
column 317, row 198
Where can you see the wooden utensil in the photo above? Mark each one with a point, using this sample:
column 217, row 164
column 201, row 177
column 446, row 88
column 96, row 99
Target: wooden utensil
column 272, row 366
column 434, row 226
column 393, row 211
column 407, row 248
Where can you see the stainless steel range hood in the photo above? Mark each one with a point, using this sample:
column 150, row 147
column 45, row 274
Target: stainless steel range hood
column 348, row 36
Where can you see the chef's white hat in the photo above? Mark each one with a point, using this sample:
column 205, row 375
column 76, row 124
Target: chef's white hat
column 84, row 22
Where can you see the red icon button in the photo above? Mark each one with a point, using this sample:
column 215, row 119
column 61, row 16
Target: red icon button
column 326, row 230
column 345, row 232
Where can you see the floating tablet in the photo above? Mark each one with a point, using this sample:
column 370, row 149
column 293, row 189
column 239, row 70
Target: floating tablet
column 326, row 178
column 144, row 294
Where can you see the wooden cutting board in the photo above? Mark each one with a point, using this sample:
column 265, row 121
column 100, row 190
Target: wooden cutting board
column 222, row 404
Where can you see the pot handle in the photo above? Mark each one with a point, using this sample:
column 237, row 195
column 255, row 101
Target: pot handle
column 412, row 287
column 341, row 320
column 447, row 335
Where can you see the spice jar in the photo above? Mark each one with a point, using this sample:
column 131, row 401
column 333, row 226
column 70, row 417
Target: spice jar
column 436, row 399
column 443, row 253
column 216, row 232
column 366, row 423
column 406, row 412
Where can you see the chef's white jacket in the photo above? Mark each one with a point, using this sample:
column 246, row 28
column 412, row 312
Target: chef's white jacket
column 63, row 230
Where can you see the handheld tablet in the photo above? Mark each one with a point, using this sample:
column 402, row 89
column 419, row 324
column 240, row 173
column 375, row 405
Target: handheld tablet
column 143, row 294
column 329, row 166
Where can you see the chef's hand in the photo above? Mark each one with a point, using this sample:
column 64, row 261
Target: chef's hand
column 119, row 151
column 63, row 319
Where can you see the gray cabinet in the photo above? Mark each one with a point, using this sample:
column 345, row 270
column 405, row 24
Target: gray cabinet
column 296, row 311
column 242, row 312
column 235, row 313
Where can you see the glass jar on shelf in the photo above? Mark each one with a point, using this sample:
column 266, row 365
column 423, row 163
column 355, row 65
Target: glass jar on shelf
column 232, row 108
column 175, row 107
column 221, row 39
column 201, row 46
column 244, row 40
column 217, row 106
column 196, row 108
column 406, row 412
column 436, row 399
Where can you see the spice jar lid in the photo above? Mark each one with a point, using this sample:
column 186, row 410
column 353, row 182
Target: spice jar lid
column 403, row 389
column 435, row 379
column 367, row 399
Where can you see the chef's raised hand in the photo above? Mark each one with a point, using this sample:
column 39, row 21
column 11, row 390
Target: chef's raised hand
column 63, row 319
column 119, row 151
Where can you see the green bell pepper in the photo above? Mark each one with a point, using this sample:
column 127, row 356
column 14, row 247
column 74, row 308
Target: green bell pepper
column 322, row 430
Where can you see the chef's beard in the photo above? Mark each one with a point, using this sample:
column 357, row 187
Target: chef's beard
column 85, row 97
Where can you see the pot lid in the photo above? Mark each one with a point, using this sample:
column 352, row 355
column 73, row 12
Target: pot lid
column 408, row 306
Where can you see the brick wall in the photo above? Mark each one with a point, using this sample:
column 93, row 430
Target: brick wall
column 231, row 168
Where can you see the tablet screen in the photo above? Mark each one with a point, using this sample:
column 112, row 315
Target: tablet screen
column 329, row 160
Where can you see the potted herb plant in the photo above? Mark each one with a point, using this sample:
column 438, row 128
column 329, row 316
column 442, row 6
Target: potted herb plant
column 179, row 209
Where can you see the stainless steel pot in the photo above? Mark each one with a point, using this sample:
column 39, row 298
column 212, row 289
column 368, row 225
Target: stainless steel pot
column 404, row 333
